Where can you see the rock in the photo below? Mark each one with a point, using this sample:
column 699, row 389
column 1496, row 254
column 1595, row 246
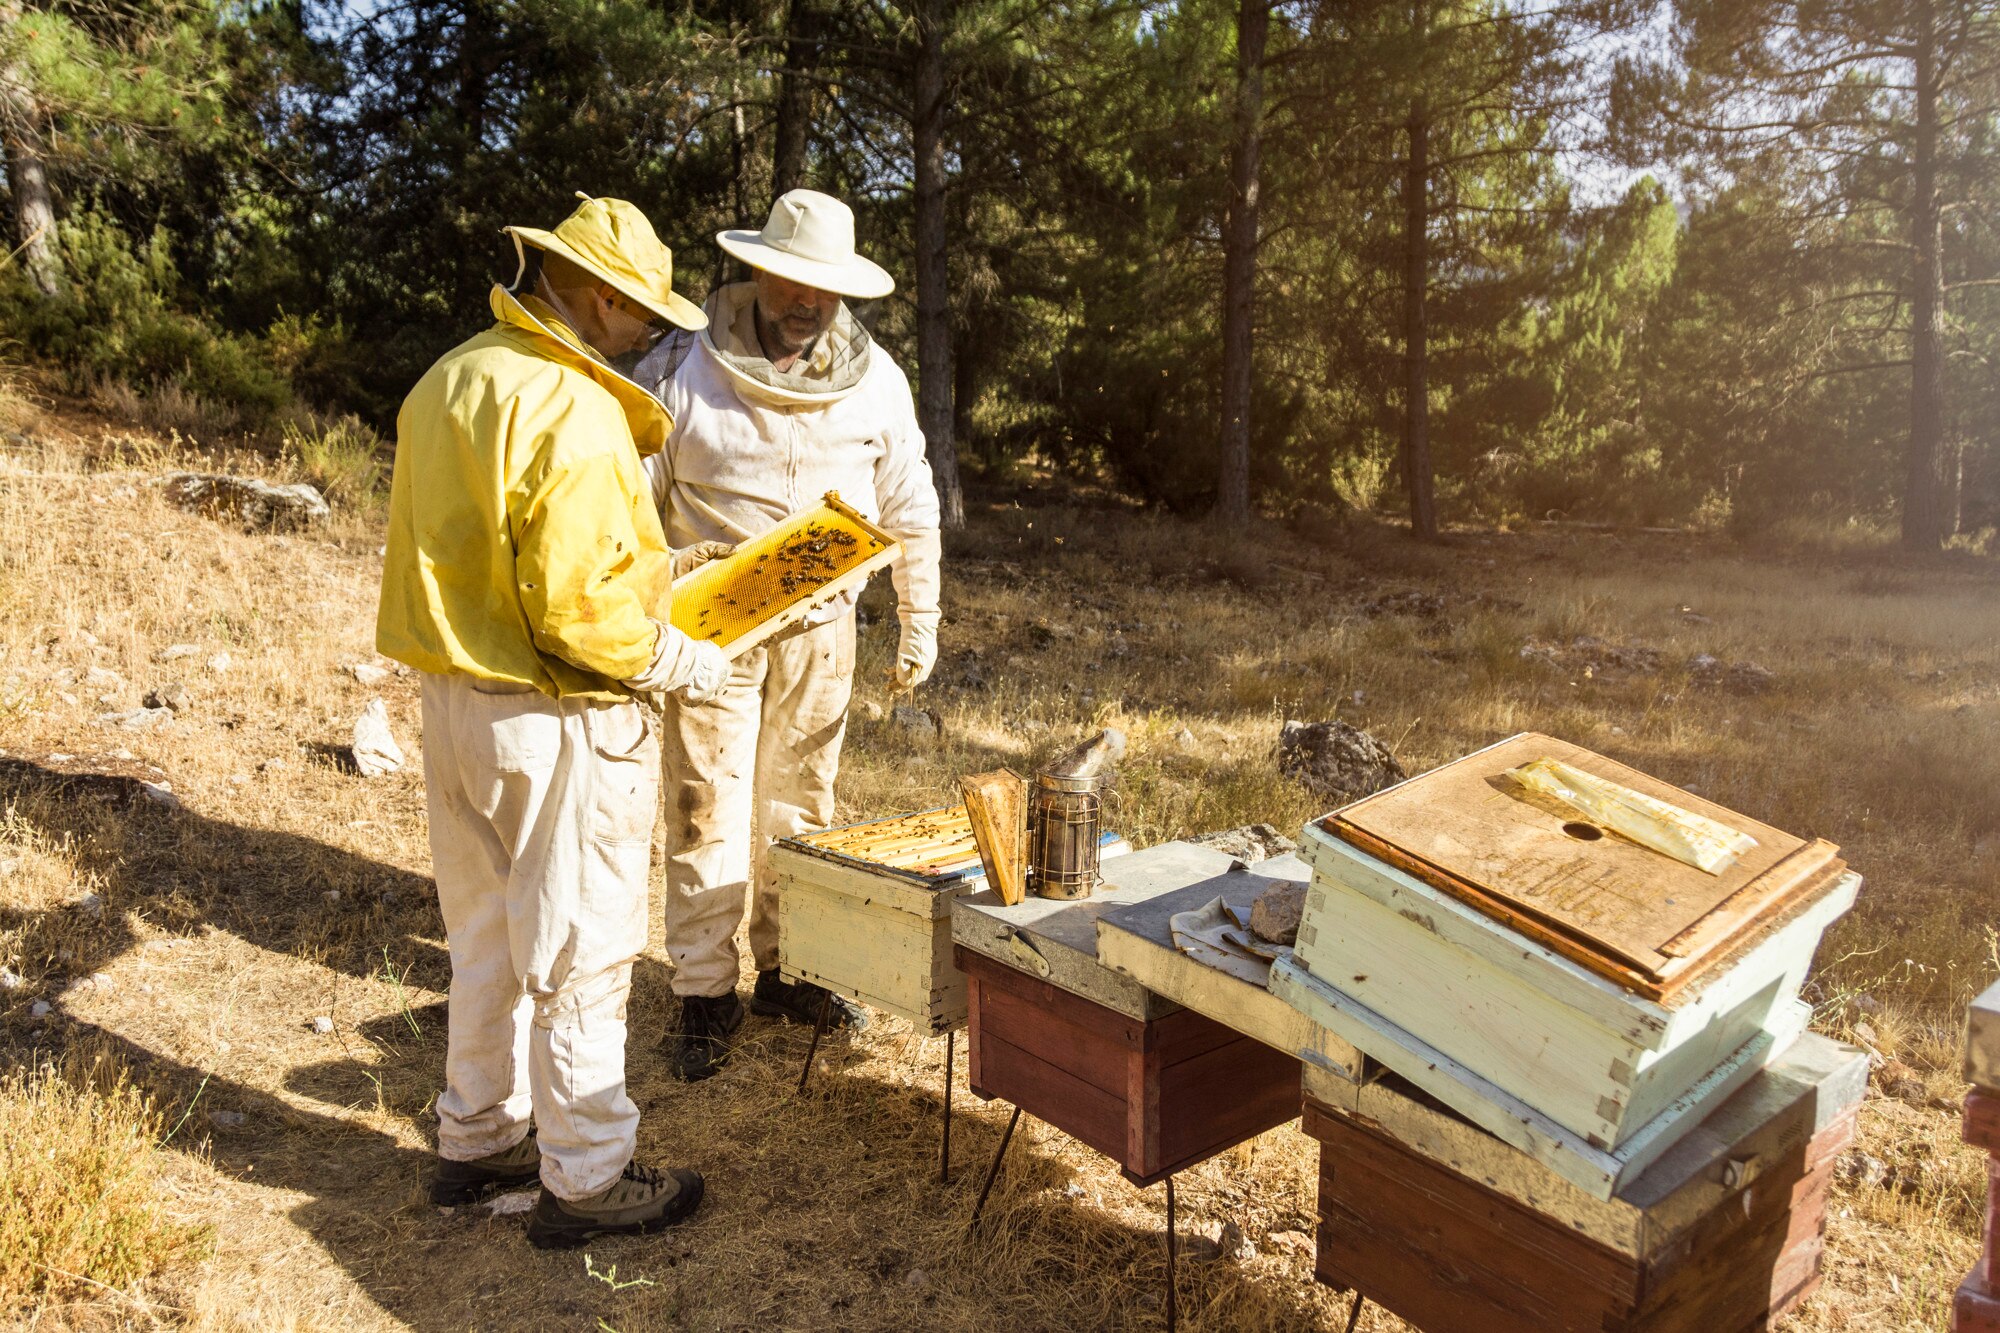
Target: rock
column 139, row 719
column 1338, row 762
column 1275, row 915
column 365, row 673
column 1231, row 1243
column 175, row 653
column 511, row 1205
column 227, row 1119
column 160, row 794
column 331, row 896
column 10, row 981
column 1857, row 1168
column 172, row 695
column 39, row 1009
column 220, row 663
column 323, row 1025
column 1591, row 657
column 1866, row 1004
column 1184, row 738
column 917, row 1278
column 1296, row 1242
column 90, row 905
column 102, row 678
column 1250, row 843
column 271, row 766
column 257, row 504
column 917, row 723
column 1711, row 672
column 376, row 753
column 867, row 710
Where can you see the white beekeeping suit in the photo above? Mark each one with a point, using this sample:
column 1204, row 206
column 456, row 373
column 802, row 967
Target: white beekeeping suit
column 750, row 445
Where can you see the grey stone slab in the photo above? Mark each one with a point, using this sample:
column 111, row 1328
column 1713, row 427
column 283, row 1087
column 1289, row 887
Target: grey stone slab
column 1063, row 935
column 1150, row 918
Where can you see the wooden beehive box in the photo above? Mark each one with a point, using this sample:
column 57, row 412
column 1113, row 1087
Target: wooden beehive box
column 1072, row 1042
column 1452, row 1230
column 1154, row 1095
column 772, row 580
column 1424, row 958
column 865, row 910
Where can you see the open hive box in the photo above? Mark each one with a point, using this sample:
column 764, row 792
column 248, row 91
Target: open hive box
column 865, row 910
column 771, row 581
column 1576, row 994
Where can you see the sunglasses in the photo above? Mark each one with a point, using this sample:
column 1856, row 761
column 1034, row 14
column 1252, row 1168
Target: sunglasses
column 656, row 327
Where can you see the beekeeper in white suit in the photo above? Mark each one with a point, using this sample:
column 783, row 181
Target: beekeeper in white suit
column 783, row 398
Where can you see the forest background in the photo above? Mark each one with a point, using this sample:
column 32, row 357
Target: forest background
column 1732, row 263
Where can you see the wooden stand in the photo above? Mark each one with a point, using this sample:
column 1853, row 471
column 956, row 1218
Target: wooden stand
column 1451, row 1230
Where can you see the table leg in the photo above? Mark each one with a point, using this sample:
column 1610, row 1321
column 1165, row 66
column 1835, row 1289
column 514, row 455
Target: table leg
column 1173, row 1306
column 994, row 1170
column 819, row 1030
column 944, row 1156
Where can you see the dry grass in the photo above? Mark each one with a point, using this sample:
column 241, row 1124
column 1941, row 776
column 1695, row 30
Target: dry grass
column 283, row 889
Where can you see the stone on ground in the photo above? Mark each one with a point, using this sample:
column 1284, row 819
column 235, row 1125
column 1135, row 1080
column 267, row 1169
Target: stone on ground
column 376, row 753
column 257, row 504
column 1337, row 762
column 1248, row 844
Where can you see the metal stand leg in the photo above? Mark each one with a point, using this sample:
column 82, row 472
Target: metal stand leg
column 993, row 1171
column 819, row 1030
column 1354, row 1311
column 1173, row 1309
column 944, row 1156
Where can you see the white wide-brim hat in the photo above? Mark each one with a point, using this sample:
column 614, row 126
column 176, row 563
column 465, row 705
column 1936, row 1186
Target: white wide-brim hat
column 809, row 238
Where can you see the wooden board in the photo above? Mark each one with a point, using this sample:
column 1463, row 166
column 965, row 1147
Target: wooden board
column 1137, row 940
column 1449, row 1254
column 1154, row 1095
column 997, row 805
column 1636, row 910
column 1595, row 1169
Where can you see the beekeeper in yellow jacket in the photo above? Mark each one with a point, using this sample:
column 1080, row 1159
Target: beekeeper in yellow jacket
column 783, row 398
column 528, row 578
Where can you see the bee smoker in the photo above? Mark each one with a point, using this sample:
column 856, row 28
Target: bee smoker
column 1063, row 824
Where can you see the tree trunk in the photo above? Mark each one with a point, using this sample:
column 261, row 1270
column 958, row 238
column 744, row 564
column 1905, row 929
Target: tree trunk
column 805, row 27
column 934, row 376
column 22, row 140
column 1924, row 480
column 1416, row 329
column 1239, row 265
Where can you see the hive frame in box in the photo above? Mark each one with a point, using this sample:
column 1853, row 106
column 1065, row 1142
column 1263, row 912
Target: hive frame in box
column 698, row 588
column 1597, row 1060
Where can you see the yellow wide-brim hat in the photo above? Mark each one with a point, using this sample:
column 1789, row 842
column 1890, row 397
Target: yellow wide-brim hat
column 611, row 239
column 809, row 238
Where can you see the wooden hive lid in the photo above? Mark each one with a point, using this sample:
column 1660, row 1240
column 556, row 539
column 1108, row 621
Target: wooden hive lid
column 1634, row 915
column 936, row 846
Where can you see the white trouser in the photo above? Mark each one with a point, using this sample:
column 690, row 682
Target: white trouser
column 754, row 764
column 541, row 814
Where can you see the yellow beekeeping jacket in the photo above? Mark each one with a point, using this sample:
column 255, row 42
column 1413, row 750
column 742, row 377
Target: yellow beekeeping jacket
column 523, row 541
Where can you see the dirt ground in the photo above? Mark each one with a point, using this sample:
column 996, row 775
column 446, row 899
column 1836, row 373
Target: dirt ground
column 187, row 898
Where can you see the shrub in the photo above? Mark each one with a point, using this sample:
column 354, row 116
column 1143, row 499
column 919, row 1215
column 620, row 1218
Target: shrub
column 341, row 456
column 80, row 1195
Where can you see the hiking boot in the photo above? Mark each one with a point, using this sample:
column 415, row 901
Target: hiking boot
column 642, row 1199
column 799, row 1001
column 707, row 1024
column 457, row 1183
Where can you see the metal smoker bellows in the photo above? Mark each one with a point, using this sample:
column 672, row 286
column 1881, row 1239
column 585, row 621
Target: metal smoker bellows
column 1063, row 823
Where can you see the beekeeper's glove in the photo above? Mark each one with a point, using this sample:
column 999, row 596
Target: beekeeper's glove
column 690, row 558
column 916, row 651
column 697, row 670
column 915, row 575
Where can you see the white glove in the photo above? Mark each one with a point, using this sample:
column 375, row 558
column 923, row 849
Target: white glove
column 680, row 663
column 915, row 575
column 690, row 558
column 916, row 650
column 711, row 673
